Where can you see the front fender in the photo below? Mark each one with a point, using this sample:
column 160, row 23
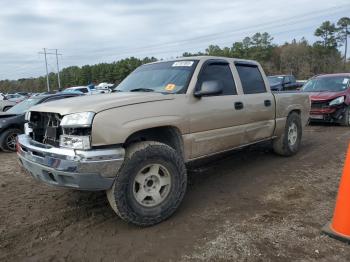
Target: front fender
column 114, row 126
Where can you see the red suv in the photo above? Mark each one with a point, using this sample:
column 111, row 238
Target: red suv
column 330, row 98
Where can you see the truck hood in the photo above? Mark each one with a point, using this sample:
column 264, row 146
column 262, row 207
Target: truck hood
column 100, row 102
column 325, row 96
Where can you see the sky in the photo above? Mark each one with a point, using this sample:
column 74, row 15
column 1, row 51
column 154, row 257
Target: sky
column 96, row 31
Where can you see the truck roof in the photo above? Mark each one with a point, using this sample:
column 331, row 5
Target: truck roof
column 204, row 57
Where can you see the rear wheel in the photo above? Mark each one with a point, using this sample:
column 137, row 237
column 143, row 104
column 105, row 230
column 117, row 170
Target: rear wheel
column 289, row 142
column 8, row 140
column 150, row 185
column 346, row 117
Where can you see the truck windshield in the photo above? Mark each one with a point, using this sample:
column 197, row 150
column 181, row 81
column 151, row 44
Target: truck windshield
column 275, row 80
column 164, row 77
column 324, row 84
column 24, row 106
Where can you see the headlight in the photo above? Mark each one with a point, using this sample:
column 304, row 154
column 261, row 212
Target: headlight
column 27, row 129
column 78, row 120
column 75, row 142
column 27, row 116
column 337, row 101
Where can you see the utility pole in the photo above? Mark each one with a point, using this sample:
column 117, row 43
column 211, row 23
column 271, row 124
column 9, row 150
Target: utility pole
column 45, row 53
column 58, row 71
column 47, row 71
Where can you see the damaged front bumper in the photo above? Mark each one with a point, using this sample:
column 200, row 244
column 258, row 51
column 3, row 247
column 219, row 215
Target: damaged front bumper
column 62, row 167
column 332, row 114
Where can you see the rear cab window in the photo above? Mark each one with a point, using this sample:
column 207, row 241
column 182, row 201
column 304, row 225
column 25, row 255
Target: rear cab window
column 251, row 78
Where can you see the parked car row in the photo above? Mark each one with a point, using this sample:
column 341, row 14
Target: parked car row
column 283, row 83
column 87, row 90
column 9, row 100
column 329, row 95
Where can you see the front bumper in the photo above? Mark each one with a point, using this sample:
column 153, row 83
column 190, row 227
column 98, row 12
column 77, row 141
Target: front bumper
column 328, row 114
column 84, row 170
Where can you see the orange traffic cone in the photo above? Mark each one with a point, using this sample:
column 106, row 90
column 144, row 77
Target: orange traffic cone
column 339, row 228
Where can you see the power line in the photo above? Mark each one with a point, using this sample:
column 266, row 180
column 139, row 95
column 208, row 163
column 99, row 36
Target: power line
column 164, row 49
column 228, row 33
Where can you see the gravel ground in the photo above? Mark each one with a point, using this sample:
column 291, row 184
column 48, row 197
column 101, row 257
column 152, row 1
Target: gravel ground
column 250, row 205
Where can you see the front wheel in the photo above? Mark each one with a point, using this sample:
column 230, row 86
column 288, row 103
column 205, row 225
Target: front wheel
column 345, row 121
column 8, row 140
column 150, row 185
column 289, row 142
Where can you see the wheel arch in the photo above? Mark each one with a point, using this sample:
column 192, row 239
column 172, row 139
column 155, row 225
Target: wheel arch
column 13, row 126
column 169, row 135
column 296, row 110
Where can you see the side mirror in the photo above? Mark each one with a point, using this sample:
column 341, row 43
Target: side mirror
column 209, row 88
column 286, row 82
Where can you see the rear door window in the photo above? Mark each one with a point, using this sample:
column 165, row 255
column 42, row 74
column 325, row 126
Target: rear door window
column 251, row 79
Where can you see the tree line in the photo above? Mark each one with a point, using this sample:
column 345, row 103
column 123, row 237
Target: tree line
column 298, row 57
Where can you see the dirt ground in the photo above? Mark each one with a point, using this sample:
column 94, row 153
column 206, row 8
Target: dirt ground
column 250, row 205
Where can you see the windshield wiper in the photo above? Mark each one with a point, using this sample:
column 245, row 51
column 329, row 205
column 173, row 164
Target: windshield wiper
column 142, row 90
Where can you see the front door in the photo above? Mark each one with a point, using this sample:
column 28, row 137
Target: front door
column 215, row 120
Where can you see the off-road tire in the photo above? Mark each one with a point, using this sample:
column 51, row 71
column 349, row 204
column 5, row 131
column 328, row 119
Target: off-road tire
column 4, row 137
column 346, row 118
column 281, row 145
column 121, row 195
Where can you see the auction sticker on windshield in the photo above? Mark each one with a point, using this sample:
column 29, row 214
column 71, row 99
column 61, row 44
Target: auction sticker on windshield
column 170, row 87
column 183, row 63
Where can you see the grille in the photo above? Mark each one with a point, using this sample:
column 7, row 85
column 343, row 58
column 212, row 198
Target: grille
column 319, row 104
column 46, row 127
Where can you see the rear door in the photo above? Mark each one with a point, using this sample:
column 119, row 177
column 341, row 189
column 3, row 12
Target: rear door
column 258, row 103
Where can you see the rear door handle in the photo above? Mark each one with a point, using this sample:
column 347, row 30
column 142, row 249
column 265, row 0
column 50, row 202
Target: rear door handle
column 267, row 102
column 239, row 105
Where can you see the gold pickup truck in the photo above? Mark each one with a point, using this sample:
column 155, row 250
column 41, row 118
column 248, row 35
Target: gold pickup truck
column 135, row 142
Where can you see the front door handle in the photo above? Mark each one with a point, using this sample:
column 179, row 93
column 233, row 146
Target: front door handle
column 267, row 103
column 239, row 105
